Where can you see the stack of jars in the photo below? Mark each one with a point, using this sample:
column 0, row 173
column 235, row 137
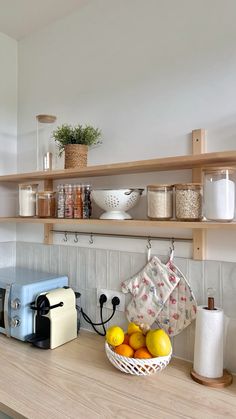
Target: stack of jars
column 73, row 201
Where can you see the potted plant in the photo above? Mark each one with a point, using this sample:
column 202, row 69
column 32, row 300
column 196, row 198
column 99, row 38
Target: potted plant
column 75, row 141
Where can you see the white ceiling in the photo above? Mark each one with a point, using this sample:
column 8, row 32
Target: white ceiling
column 19, row 18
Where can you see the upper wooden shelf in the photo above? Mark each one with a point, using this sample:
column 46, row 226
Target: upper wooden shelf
column 224, row 158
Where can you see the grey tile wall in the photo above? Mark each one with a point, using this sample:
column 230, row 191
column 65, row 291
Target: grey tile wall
column 89, row 269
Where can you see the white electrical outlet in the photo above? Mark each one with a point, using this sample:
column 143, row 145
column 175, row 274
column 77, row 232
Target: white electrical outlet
column 110, row 294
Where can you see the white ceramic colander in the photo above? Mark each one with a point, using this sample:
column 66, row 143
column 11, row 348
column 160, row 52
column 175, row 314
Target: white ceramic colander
column 115, row 202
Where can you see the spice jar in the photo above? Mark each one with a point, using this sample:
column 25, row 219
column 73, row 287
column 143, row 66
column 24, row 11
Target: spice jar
column 78, row 203
column 188, row 202
column 27, row 200
column 160, row 202
column 69, row 201
column 219, row 194
column 60, row 201
column 46, row 204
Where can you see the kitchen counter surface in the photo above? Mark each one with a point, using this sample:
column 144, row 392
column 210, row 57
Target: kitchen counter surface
column 76, row 380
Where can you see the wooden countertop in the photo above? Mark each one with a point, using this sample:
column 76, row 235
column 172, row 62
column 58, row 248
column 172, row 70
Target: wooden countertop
column 76, row 380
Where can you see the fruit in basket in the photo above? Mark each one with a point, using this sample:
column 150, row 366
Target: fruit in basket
column 126, row 339
column 132, row 328
column 142, row 353
column 158, row 342
column 115, row 336
column 124, row 350
column 137, row 340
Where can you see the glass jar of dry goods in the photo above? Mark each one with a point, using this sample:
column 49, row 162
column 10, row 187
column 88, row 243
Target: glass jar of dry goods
column 46, row 204
column 219, row 194
column 160, row 202
column 188, row 202
column 27, row 200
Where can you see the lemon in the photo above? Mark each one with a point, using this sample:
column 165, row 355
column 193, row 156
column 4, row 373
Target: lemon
column 132, row 328
column 158, row 342
column 137, row 340
column 115, row 335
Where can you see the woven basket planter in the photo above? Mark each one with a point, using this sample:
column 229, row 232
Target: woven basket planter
column 75, row 156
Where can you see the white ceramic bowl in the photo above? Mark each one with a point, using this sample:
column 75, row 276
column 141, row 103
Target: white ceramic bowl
column 115, row 202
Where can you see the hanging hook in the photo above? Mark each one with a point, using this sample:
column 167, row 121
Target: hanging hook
column 76, row 239
column 172, row 248
column 172, row 244
column 91, row 239
column 65, row 237
column 149, row 244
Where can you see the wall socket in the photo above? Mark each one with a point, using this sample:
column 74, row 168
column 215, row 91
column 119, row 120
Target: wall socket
column 110, row 294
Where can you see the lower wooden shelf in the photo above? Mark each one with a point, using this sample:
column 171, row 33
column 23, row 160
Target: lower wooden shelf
column 122, row 223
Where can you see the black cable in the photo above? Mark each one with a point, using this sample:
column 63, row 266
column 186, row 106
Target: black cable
column 102, row 300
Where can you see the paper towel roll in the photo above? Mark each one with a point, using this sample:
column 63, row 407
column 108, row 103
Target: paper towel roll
column 209, row 337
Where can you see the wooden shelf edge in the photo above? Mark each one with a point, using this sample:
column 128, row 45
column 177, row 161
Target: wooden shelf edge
column 223, row 158
column 126, row 223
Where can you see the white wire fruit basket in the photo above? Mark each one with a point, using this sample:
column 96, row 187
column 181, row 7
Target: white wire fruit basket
column 136, row 366
column 115, row 202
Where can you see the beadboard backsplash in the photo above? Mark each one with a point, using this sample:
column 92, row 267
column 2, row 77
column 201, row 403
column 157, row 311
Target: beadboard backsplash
column 91, row 269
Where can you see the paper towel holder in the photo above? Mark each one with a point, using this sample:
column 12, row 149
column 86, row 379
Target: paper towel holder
column 219, row 382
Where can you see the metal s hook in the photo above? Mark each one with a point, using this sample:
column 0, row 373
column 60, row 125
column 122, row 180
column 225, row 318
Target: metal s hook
column 65, row 237
column 172, row 248
column 91, row 239
column 148, row 246
column 76, row 239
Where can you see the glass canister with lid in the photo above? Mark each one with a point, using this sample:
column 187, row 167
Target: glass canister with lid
column 27, row 200
column 219, row 194
column 160, row 202
column 46, row 204
column 188, row 201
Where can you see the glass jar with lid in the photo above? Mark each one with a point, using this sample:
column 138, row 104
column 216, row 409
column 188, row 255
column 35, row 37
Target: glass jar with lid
column 188, row 201
column 160, row 202
column 46, row 204
column 27, row 200
column 219, row 194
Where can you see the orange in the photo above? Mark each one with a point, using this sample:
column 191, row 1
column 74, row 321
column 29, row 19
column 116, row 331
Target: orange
column 142, row 353
column 137, row 340
column 158, row 342
column 124, row 350
column 132, row 328
column 115, row 335
column 126, row 339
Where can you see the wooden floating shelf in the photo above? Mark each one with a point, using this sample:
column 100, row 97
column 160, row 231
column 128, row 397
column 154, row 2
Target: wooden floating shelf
column 224, row 158
column 123, row 223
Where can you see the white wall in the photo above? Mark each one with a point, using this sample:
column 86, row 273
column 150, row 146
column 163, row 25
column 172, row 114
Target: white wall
column 145, row 72
column 8, row 130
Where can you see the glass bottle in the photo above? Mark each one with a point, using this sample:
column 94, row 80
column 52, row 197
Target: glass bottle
column 60, row 201
column 219, row 194
column 78, row 203
column 69, row 201
column 46, row 146
column 86, row 202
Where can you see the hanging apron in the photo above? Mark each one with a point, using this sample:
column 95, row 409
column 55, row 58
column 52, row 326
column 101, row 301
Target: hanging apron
column 160, row 293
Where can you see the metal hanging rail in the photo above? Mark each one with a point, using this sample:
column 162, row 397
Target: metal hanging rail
column 129, row 236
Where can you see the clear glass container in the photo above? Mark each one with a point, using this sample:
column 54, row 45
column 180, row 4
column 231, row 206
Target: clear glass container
column 46, row 146
column 69, row 201
column 219, row 194
column 188, row 202
column 60, row 201
column 46, row 204
column 27, row 200
column 78, row 203
column 160, row 202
